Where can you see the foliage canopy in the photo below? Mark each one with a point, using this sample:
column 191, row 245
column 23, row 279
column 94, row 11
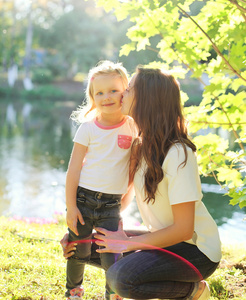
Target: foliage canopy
column 205, row 40
column 64, row 36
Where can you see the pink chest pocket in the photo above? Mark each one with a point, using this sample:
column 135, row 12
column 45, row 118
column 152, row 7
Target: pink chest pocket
column 124, row 141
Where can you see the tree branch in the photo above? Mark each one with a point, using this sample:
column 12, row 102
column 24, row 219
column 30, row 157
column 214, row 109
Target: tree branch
column 213, row 173
column 217, row 180
column 234, row 131
column 217, row 123
column 200, row 79
column 242, row 9
column 152, row 49
column 213, row 44
column 238, row 6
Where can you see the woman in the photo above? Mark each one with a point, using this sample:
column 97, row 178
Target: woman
column 183, row 246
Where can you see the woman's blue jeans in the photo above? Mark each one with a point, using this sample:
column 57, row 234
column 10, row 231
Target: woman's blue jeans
column 169, row 273
column 98, row 210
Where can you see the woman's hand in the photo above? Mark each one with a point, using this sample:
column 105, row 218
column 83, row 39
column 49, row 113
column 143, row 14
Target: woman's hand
column 112, row 241
column 67, row 247
column 73, row 216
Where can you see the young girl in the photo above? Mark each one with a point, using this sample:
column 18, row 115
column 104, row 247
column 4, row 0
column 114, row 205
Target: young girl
column 98, row 171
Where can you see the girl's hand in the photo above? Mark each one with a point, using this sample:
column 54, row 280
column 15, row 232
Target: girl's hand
column 113, row 241
column 73, row 216
column 67, row 248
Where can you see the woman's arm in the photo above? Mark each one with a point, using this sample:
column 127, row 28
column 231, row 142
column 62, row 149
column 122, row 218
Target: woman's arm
column 133, row 163
column 72, row 181
column 127, row 198
column 181, row 230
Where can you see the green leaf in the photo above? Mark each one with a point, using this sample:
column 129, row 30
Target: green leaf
column 232, row 177
column 142, row 44
column 127, row 48
column 239, row 198
column 237, row 83
column 108, row 4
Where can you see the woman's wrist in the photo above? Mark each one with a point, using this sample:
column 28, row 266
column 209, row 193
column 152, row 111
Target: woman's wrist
column 126, row 245
column 135, row 243
column 130, row 245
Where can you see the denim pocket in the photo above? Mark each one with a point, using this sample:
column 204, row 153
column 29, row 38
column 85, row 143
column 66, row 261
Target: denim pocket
column 112, row 204
column 81, row 197
column 124, row 141
column 81, row 200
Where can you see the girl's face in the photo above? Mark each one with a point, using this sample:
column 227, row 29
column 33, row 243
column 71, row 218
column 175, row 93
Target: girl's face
column 128, row 98
column 107, row 93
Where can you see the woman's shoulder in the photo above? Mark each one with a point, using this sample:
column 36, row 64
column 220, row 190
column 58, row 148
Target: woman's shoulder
column 178, row 153
column 179, row 149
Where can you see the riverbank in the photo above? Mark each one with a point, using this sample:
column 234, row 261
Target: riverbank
column 32, row 266
column 57, row 90
column 65, row 89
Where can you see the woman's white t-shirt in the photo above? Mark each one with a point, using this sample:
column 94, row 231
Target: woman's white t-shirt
column 180, row 184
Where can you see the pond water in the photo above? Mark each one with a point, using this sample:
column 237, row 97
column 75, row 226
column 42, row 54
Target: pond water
column 35, row 145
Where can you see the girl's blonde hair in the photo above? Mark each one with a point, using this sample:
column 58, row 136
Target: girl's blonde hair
column 88, row 110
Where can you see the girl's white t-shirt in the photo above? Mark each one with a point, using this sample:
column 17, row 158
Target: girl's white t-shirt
column 106, row 165
column 180, row 184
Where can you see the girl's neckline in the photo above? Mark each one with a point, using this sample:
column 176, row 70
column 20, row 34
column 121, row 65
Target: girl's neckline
column 110, row 127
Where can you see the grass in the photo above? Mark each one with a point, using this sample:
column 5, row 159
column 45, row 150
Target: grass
column 32, row 266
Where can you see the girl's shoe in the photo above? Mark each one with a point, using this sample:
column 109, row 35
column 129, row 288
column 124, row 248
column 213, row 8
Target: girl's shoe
column 76, row 293
column 115, row 297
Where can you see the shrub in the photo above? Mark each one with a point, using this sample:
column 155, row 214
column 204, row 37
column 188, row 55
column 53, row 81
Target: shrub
column 44, row 92
column 42, row 75
column 7, row 92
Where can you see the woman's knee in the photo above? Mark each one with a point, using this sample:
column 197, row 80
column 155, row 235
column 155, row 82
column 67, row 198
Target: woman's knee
column 118, row 280
column 108, row 259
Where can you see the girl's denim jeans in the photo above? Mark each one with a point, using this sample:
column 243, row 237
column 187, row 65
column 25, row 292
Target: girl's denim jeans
column 169, row 273
column 98, row 210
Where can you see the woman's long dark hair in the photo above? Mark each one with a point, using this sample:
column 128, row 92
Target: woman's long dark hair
column 158, row 114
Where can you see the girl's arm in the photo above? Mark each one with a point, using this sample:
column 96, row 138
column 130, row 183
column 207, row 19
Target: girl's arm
column 181, row 230
column 72, row 182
